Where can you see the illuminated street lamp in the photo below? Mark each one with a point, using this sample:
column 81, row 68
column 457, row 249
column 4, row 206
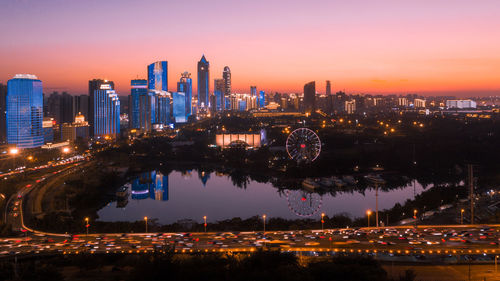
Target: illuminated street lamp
column 146, row 222
column 205, row 223
column 322, row 221
column 65, row 150
column 264, row 220
column 415, row 217
column 14, row 151
column 368, row 213
column 87, row 225
column 30, row 157
column 462, row 216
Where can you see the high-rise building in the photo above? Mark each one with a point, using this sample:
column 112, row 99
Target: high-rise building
column 106, row 108
column 350, row 106
column 163, row 108
column 261, row 102
column 60, row 107
column 219, row 94
column 203, row 83
column 461, row 104
column 142, row 108
column 158, row 76
column 24, row 115
column 226, row 76
column 81, row 105
column 402, row 101
column 3, row 125
column 310, row 97
column 185, row 85
column 419, row 103
column 253, row 91
column 48, row 129
column 179, row 108
column 328, row 88
column 78, row 129
column 95, row 84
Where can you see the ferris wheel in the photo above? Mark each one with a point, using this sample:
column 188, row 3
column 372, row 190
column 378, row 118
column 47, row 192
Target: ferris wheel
column 303, row 145
column 303, row 203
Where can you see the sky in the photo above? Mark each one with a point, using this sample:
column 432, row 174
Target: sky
column 428, row 47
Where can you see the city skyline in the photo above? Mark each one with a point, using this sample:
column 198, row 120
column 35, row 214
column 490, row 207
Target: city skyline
column 374, row 48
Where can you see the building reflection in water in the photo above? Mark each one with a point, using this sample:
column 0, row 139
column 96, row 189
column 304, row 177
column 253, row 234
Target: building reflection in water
column 152, row 185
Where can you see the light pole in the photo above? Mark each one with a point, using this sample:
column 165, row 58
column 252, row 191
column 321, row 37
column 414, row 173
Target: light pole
column 205, row 223
column 322, row 222
column 462, row 216
column 264, row 221
column 87, row 226
column 415, row 217
column 368, row 213
column 146, row 223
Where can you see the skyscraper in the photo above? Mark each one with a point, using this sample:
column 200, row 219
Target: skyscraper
column 328, row 88
column 3, row 125
column 106, row 109
column 163, row 108
column 158, row 76
column 219, row 94
column 179, row 99
column 60, row 107
column 253, row 91
column 24, row 111
column 310, row 97
column 226, row 75
column 261, row 102
column 142, row 105
column 203, row 82
column 185, row 85
column 95, row 84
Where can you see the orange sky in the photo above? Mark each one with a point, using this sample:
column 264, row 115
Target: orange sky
column 391, row 46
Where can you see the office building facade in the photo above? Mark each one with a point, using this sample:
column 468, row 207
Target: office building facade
column 185, row 85
column 203, row 83
column 142, row 106
column 158, row 76
column 106, row 109
column 95, row 84
column 310, row 97
column 24, row 111
column 219, row 94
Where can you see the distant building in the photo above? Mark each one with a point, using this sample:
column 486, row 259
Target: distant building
column 219, row 94
column 106, row 108
column 78, row 129
column 253, row 139
column 142, row 108
column 419, row 103
column 403, row 102
column 261, row 102
column 94, row 85
column 350, row 106
column 48, row 129
column 328, row 88
column 81, row 105
column 461, row 104
column 310, row 97
column 185, row 85
column 163, row 109
column 253, row 91
column 179, row 108
column 203, row 83
column 24, row 115
column 158, row 76
column 226, row 76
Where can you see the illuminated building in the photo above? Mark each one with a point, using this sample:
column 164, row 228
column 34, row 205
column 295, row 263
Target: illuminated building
column 261, row 102
column 163, row 108
column 226, row 76
column 419, row 103
column 78, row 129
column 48, row 130
column 219, row 94
column 106, row 109
column 203, row 83
column 81, row 105
column 403, row 102
column 310, row 97
column 252, row 139
column 142, row 105
column 179, row 108
column 253, row 91
column 350, row 106
column 95, row 84
column 461, row 104
column 158, row 76
column 185, row 85
column 24, row 111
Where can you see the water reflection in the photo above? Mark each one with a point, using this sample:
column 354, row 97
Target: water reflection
column 194, row 194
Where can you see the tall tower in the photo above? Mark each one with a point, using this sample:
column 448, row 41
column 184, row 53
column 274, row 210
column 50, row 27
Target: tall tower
column 142, row 105
column 95, row 84
column 219, row 94
column 226, row 75
column 106, row 107
column 203, row 84
column 158, row 76
column 24, row 111
column 328, row 88
column 310, row 97
column 185, row 85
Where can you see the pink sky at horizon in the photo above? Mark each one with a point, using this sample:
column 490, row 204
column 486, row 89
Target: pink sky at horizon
column 373, row 47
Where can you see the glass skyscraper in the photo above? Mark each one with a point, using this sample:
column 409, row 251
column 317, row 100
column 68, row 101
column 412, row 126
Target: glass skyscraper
column 106, row 112
column 24, row 107
column 142, row 106
column 157, row 76
column 310, row 97
column 262, row 99
column 179, row 107
column 163, row 108
column 203, row 84
column 95, row 84
column 185, row 85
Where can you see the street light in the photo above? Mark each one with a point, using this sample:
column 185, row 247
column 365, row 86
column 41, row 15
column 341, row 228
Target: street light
column 87, row 225
column 264, row 220
column 368, row 213
column 322, row 221
column 415, row 217
column 462, row 216
column 14, row 151
column 65, row 150
column 205, row 222
column 146, row 222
